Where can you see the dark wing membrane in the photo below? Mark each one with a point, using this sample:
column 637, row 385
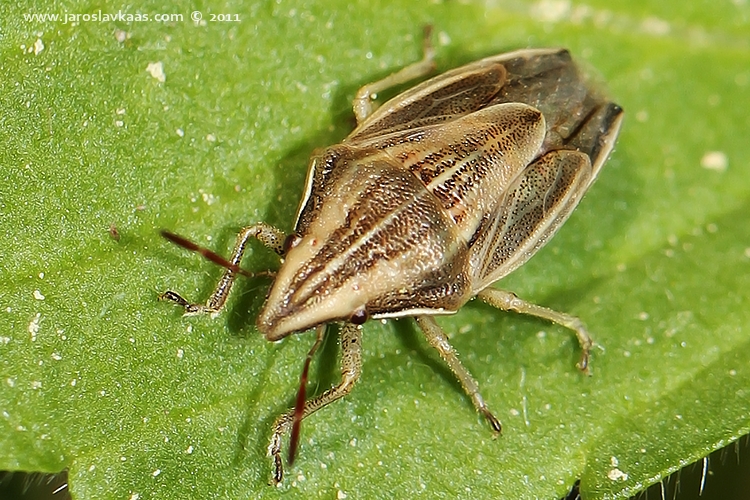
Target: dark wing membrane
column 548, row 81
column 538, row 77
column 577, row 115
column 551, row 83
column 597, row 134
column 441, row 99
column 530, row 213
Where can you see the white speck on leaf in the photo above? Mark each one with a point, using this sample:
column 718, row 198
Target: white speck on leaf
column 34, row 326
column 156, row 70
column 616, row 474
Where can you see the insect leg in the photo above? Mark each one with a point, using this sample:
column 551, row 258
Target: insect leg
column 351, row 368
column 508, row 301
column 268, row 235
column 437, row 339
column 362, row 104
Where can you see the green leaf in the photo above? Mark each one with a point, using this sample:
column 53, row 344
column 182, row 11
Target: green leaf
column 99, row 377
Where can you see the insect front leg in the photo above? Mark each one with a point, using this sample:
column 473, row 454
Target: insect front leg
column 270, row 236
column 363, row 105
column 351, row 369
column 508, row 301
column 437, row 339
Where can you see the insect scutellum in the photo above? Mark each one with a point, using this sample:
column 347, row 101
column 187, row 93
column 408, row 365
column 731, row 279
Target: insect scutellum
column 435, row 196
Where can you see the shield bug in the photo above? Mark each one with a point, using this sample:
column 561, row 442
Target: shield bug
column 435, row 196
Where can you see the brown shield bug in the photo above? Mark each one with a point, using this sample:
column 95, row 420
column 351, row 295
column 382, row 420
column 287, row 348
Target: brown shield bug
column 435, row 196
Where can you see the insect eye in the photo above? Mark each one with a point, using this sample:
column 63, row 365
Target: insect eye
column 359, row 316
column 290, row 242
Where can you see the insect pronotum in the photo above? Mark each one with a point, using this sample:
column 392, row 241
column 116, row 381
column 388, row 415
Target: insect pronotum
column 435, row 196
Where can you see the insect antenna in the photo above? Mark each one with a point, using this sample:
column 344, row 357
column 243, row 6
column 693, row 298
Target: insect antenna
column 299, row 404
column 206, row 253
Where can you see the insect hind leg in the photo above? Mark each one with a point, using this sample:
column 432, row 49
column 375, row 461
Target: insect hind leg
column 270, row 236
column 437, row 339
column 508, row 301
